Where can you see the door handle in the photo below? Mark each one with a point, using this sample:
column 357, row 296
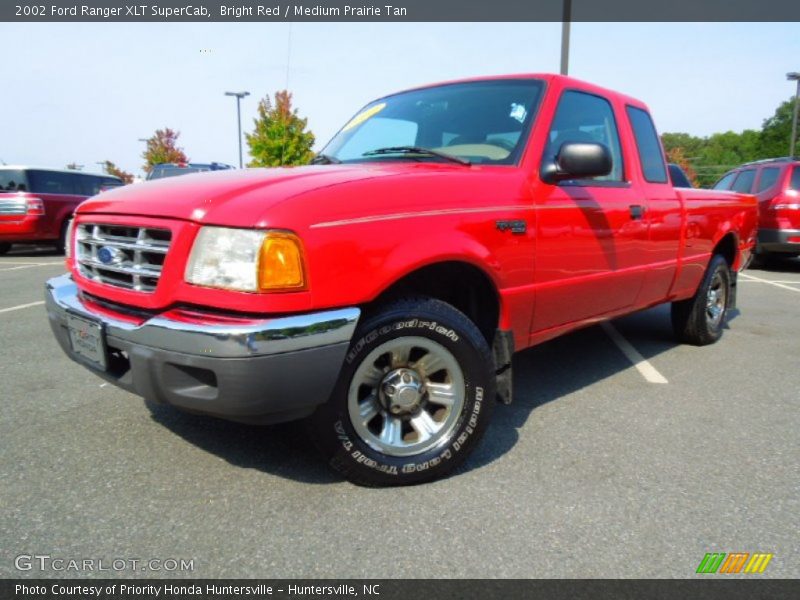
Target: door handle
column 637, row 211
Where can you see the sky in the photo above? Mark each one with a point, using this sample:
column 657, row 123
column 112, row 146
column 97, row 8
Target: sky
column 87, row 92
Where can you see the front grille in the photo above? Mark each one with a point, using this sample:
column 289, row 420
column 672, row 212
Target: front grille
column 122, row 256
column 13, row 206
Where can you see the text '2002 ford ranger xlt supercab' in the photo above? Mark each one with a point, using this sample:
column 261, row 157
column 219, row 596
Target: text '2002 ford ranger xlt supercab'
column 382, row 290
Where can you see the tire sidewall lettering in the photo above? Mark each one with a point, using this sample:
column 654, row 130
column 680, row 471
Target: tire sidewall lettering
column 373, row 335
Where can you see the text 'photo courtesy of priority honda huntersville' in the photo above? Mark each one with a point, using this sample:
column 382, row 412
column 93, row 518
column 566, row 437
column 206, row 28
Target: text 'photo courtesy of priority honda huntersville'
column 381, row 291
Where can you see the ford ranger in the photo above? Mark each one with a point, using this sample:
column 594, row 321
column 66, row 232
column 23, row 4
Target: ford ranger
column 381, row 291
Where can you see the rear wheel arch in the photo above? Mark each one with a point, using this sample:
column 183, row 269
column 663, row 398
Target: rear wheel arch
column 728, row 248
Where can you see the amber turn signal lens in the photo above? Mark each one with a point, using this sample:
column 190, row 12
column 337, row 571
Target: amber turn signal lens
column 280, row 264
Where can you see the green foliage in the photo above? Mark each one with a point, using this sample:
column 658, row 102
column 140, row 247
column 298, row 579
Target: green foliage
column 114, row 170
column 777, row 130
column 162, row 147
column 710, row 157
column 280, row 136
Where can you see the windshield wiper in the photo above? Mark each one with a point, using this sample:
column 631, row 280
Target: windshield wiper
column 325, row 159
column 417, row 150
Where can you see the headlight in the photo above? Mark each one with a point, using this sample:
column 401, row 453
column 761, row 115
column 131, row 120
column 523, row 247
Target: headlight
column 246, row 260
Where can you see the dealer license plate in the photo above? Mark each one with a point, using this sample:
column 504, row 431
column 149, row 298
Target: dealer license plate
column 87, row 340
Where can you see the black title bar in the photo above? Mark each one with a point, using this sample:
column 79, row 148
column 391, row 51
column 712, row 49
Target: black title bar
column 399, row 10
column 710, row 588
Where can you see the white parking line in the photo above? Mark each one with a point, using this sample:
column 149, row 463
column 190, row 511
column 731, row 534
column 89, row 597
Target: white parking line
column 775, row 283
column 27, row 262
column 29, row 267
column 648, row 371
column 21, row 306
column 790, row 281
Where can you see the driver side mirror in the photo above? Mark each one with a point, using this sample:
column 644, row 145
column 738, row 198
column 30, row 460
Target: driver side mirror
column 577, row 160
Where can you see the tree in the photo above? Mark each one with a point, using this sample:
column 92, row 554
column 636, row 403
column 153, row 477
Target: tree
column 712, row 156
column 114, row 170
column 162, row 147
column 676, row 155
column 777, row 130
column 280, row 136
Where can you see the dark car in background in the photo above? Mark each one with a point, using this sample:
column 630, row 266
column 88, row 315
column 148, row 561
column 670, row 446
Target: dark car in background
column 776, row 184
column 37, row 204
column 678, row 176
column 163, row 170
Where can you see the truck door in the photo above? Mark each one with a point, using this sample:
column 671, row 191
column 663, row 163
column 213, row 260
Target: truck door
column 664, row 216
column 590, row 233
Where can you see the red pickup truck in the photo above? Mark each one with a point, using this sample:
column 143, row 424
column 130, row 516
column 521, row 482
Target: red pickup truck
column 383, row 290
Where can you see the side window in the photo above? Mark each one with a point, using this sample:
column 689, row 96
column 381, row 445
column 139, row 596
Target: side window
column 88, row 185
column 744, row 182
column 725, row 182
column 52, row 182
column 583, row 117
column 794, row 184
column 650, row 155
column 769, row 175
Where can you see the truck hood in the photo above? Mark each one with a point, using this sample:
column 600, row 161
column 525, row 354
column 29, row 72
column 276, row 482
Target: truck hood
column 235, row 198
column 292, row 197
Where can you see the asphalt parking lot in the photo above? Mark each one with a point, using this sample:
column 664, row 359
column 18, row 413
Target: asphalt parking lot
column 599, row 468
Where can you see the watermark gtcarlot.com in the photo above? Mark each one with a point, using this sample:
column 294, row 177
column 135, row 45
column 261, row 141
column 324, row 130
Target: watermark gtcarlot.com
column 61, row 564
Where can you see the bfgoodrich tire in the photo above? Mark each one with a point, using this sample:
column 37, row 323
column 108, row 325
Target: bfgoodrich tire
column 701, row 319
column 414, row 397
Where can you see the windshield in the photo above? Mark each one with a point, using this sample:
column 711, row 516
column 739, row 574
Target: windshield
column 13, row 180
column 484, row 122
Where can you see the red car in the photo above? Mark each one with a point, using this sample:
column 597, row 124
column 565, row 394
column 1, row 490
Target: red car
column 36, row 205
column 776, row 184
column 382, row 291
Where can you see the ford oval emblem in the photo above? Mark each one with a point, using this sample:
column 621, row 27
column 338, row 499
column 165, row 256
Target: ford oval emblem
column 108, row 255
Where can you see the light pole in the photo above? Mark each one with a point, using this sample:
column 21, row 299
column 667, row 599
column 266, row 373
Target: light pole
column 239, row 96
column 102, row 166
column 565, row 19
column 794, row 77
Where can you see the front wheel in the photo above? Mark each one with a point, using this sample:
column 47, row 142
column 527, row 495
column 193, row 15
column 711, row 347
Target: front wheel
column 414, row 397
column 701, row 319
column 61, row 244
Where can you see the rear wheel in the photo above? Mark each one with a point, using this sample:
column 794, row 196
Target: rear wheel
column 701, row 319
column 414, row 397
column 4, row 248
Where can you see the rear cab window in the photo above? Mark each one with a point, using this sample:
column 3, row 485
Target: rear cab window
column 651, row 156
column 744, row 182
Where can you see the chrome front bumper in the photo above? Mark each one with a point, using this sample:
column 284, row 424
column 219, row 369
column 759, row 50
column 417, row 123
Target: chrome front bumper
column 254, row 370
